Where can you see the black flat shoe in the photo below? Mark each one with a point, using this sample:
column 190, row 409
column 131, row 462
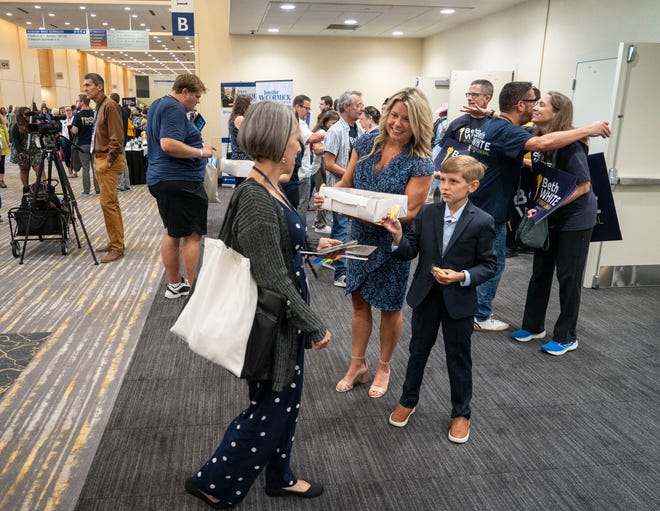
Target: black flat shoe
column 194, row 491
column 314, row 490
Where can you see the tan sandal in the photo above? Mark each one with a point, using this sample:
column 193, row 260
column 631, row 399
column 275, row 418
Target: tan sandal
column 345, row 385
column 377, row 391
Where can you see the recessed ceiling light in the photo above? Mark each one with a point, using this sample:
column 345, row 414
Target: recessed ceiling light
column 127, row 8
column 287, row 7
column 37, row 7
column 397, row 32
column 134, row 15
column 67, row 23
column 105, row 23
column 92, row 15
column 112, row 28
column 51, row 14
column 143, row 24
column 82, row 7
column 447, row 11
column 28, row 23
column 10, row 14
column 350, row 22
column 273, row 30
column 76, row 28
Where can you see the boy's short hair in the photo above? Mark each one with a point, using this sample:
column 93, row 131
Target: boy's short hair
column 467, row 166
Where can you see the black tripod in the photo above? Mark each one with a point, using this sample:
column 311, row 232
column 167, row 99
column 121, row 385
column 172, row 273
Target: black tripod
column 69, row 203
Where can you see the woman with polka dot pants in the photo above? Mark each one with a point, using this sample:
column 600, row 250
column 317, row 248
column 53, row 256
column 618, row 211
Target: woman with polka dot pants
column 262, row 435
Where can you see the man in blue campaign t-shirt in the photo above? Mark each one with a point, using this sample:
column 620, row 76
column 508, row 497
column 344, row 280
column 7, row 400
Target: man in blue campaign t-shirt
column 500, row 145
column 175, row 176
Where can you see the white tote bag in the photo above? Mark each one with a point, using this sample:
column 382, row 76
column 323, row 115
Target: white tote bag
column 218, row 317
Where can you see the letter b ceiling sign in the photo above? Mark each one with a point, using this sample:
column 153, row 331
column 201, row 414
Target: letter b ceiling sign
column 183, row 21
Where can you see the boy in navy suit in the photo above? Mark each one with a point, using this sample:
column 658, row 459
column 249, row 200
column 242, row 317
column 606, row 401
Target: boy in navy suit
column 454, row 240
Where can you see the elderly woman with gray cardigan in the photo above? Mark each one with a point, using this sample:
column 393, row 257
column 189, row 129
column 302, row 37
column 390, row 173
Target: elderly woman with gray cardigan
column 268, row 230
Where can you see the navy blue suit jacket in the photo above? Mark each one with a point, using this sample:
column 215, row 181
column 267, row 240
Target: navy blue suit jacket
column 470, row 248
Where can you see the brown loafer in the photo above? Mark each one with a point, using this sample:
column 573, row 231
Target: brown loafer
column 459, row 430
column 400, row 416
column 113, row 255
column 104, row 248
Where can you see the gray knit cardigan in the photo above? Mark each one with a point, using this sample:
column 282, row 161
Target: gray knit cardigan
column 260, row 233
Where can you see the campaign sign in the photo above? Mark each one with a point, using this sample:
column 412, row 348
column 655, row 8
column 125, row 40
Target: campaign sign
column 607, row 222
column 553, row 187
column 450, row 149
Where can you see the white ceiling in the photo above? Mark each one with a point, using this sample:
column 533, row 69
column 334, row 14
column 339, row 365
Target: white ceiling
column 375, row 18
column 174, row 55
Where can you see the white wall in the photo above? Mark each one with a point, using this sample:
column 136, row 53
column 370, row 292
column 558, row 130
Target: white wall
column 514, row 38
column 318, row 65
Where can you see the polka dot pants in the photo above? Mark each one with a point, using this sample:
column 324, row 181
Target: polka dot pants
column 260, row 437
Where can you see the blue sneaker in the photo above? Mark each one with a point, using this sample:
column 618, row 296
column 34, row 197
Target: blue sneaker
column 556, row 348
column 524, row 336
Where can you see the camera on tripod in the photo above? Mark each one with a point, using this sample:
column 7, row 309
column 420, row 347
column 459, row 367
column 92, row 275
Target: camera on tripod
column 47, row 131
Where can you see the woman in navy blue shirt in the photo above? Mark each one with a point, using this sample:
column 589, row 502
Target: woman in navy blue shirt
column 570, row 229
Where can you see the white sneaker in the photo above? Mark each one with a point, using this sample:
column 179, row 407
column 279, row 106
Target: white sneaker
column 323, row 230
column 175, row 291
column 340, row 281
column 490, row 325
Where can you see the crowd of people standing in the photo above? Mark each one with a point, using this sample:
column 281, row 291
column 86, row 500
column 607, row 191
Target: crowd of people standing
column 458, row 239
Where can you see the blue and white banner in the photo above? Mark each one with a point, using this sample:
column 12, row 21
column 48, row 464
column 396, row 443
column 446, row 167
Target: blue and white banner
column 553, row 187
column 58, row 39
column 92, row 39
column 280, row 91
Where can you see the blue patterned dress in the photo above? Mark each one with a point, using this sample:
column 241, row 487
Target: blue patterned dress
column 381, row 280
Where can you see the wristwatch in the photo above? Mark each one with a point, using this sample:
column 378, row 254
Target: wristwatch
column 491, row 114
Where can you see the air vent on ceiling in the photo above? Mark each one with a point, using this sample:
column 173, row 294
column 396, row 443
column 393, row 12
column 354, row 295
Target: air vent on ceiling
column 23, row 10
column 152, row 12
column 341, row 26
column 163, row 27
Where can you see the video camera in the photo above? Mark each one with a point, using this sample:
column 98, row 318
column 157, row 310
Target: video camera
column 47, row 131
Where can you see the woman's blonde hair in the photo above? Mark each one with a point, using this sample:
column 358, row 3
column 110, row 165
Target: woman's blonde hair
column 421, row 122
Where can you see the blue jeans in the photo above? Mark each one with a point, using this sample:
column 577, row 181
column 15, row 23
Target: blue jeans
column 339, row 232
column 486, row 291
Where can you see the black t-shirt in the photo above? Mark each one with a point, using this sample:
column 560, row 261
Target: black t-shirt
column 84, row 121
column 463, row 128
column 581, row 213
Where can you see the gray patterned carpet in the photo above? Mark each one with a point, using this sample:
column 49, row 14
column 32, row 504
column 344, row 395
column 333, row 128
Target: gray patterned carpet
column 579, row 432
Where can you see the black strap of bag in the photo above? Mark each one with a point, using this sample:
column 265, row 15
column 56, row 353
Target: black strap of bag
column 268, row 317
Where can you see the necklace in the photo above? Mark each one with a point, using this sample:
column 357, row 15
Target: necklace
column 276, row 189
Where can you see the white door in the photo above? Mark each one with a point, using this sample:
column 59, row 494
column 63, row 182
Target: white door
column 593, row 96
